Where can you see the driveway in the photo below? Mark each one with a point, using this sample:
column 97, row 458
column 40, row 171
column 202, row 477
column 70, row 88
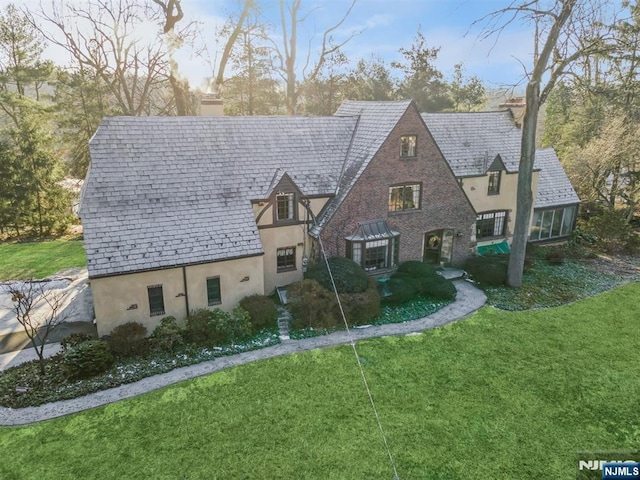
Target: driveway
column 77, row 309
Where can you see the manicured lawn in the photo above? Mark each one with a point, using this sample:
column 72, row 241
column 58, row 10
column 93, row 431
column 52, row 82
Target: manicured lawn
column 39, row 259
column 500, row 395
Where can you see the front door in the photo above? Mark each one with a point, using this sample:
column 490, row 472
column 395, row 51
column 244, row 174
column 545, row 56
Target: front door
column 432, row 247
column 438, row 246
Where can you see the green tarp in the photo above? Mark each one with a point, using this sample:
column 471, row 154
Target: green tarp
column 502, row 247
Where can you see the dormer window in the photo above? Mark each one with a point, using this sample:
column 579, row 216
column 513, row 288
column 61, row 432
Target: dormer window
column 284, row 206
column 408, row 145
column 494, row 183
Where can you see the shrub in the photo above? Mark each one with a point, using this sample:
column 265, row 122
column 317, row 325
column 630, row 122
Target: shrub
column 417, row 269
column 348, row 276
column 488, row 269
column 217, row 327
column 438, row 288
column 129, row 340
column 262, row 311
column 312, row 306
column 402, row 287
column 361, row 308
column 197, row 327
column 87, row 359
column 74, row 339
column 612, row 232
column 167, row 336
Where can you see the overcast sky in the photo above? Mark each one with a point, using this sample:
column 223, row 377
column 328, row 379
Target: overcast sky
column 385, row 26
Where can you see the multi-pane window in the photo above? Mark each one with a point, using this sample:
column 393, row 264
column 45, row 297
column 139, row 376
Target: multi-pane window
column 156, row 300
column 284, row 206
column 494, row 183
column 491, row 224
column 404, row 197
column 374, row 254
column 553, row 223
column 408, row 145
column 286, row 259
column 213, row 291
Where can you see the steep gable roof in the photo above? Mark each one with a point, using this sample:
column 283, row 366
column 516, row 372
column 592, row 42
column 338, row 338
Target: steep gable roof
column 554, row 187
column 471, row 141
column 376, row 120
column 167, row 191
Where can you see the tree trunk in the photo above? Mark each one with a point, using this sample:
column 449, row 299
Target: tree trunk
column 525, row 178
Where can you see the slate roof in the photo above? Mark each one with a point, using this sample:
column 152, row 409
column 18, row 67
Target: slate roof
column 168, row 191
column 375, row 122
column 554, row 187
column 471, row 141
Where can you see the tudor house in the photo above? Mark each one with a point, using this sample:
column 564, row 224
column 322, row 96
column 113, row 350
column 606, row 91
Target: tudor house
column 182, row 213
column 483, row 149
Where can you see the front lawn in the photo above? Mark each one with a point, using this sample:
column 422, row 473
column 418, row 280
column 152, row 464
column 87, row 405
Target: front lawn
column 500, row 395
column 39, row 259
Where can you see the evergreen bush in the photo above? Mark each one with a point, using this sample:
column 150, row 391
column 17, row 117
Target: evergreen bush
column 216, row 327
column 129, row 340
column 87, row 359
column 361, row 308
column 312, row 306
column 348, row 276
column 262, row 311
column 74, row 339
column 167, row 336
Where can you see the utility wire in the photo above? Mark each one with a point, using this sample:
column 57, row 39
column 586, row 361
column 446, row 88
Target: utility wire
column 355, row 351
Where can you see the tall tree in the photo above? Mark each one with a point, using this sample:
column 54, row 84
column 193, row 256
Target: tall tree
column 287, row 53
column 422, row 81
column 467, row 94
column 369, row 80
column 104, row 37
column 564, row 39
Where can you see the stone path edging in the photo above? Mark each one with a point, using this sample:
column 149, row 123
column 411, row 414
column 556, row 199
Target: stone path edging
column 469, row 299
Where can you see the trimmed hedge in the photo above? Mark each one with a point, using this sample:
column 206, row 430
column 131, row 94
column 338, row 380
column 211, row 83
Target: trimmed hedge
column 216, row 327
column 87, row 359
column 348, row 276
column 129, row 340
column 313, row 306
column 262, row 311
column 418, row 278
column 167, row 336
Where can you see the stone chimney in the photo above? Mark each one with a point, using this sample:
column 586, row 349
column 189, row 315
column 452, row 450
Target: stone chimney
column 210, row 105
column 517, row 106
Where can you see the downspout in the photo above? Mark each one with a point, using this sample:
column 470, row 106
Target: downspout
column 186, row 294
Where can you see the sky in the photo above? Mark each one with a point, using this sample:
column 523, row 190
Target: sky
column 382, row 27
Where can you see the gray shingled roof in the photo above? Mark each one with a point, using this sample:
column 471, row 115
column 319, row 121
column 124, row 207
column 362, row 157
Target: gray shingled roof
column 167, row 191
column 471, row 141
column 554, row 187
column 375, row 122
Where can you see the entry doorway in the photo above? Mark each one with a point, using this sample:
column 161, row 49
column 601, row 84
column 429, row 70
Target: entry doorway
column 438, row 246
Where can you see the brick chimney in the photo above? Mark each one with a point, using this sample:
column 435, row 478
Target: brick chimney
column 210, row 105
column 517, row 106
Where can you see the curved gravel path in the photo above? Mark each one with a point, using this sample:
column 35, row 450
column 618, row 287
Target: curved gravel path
column 468, row 300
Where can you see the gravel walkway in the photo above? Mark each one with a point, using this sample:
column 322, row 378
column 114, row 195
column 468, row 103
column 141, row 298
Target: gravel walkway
column 468, row 300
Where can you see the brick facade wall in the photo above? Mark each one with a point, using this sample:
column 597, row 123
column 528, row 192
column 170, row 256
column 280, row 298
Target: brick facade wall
column 443, row 203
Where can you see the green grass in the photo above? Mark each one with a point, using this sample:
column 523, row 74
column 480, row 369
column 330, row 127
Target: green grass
column 39, row 259
column 500, row 395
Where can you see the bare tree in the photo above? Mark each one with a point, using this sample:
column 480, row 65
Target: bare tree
column 39, row 310
column 287, row 55
column 104, row 37
column 567, row 31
